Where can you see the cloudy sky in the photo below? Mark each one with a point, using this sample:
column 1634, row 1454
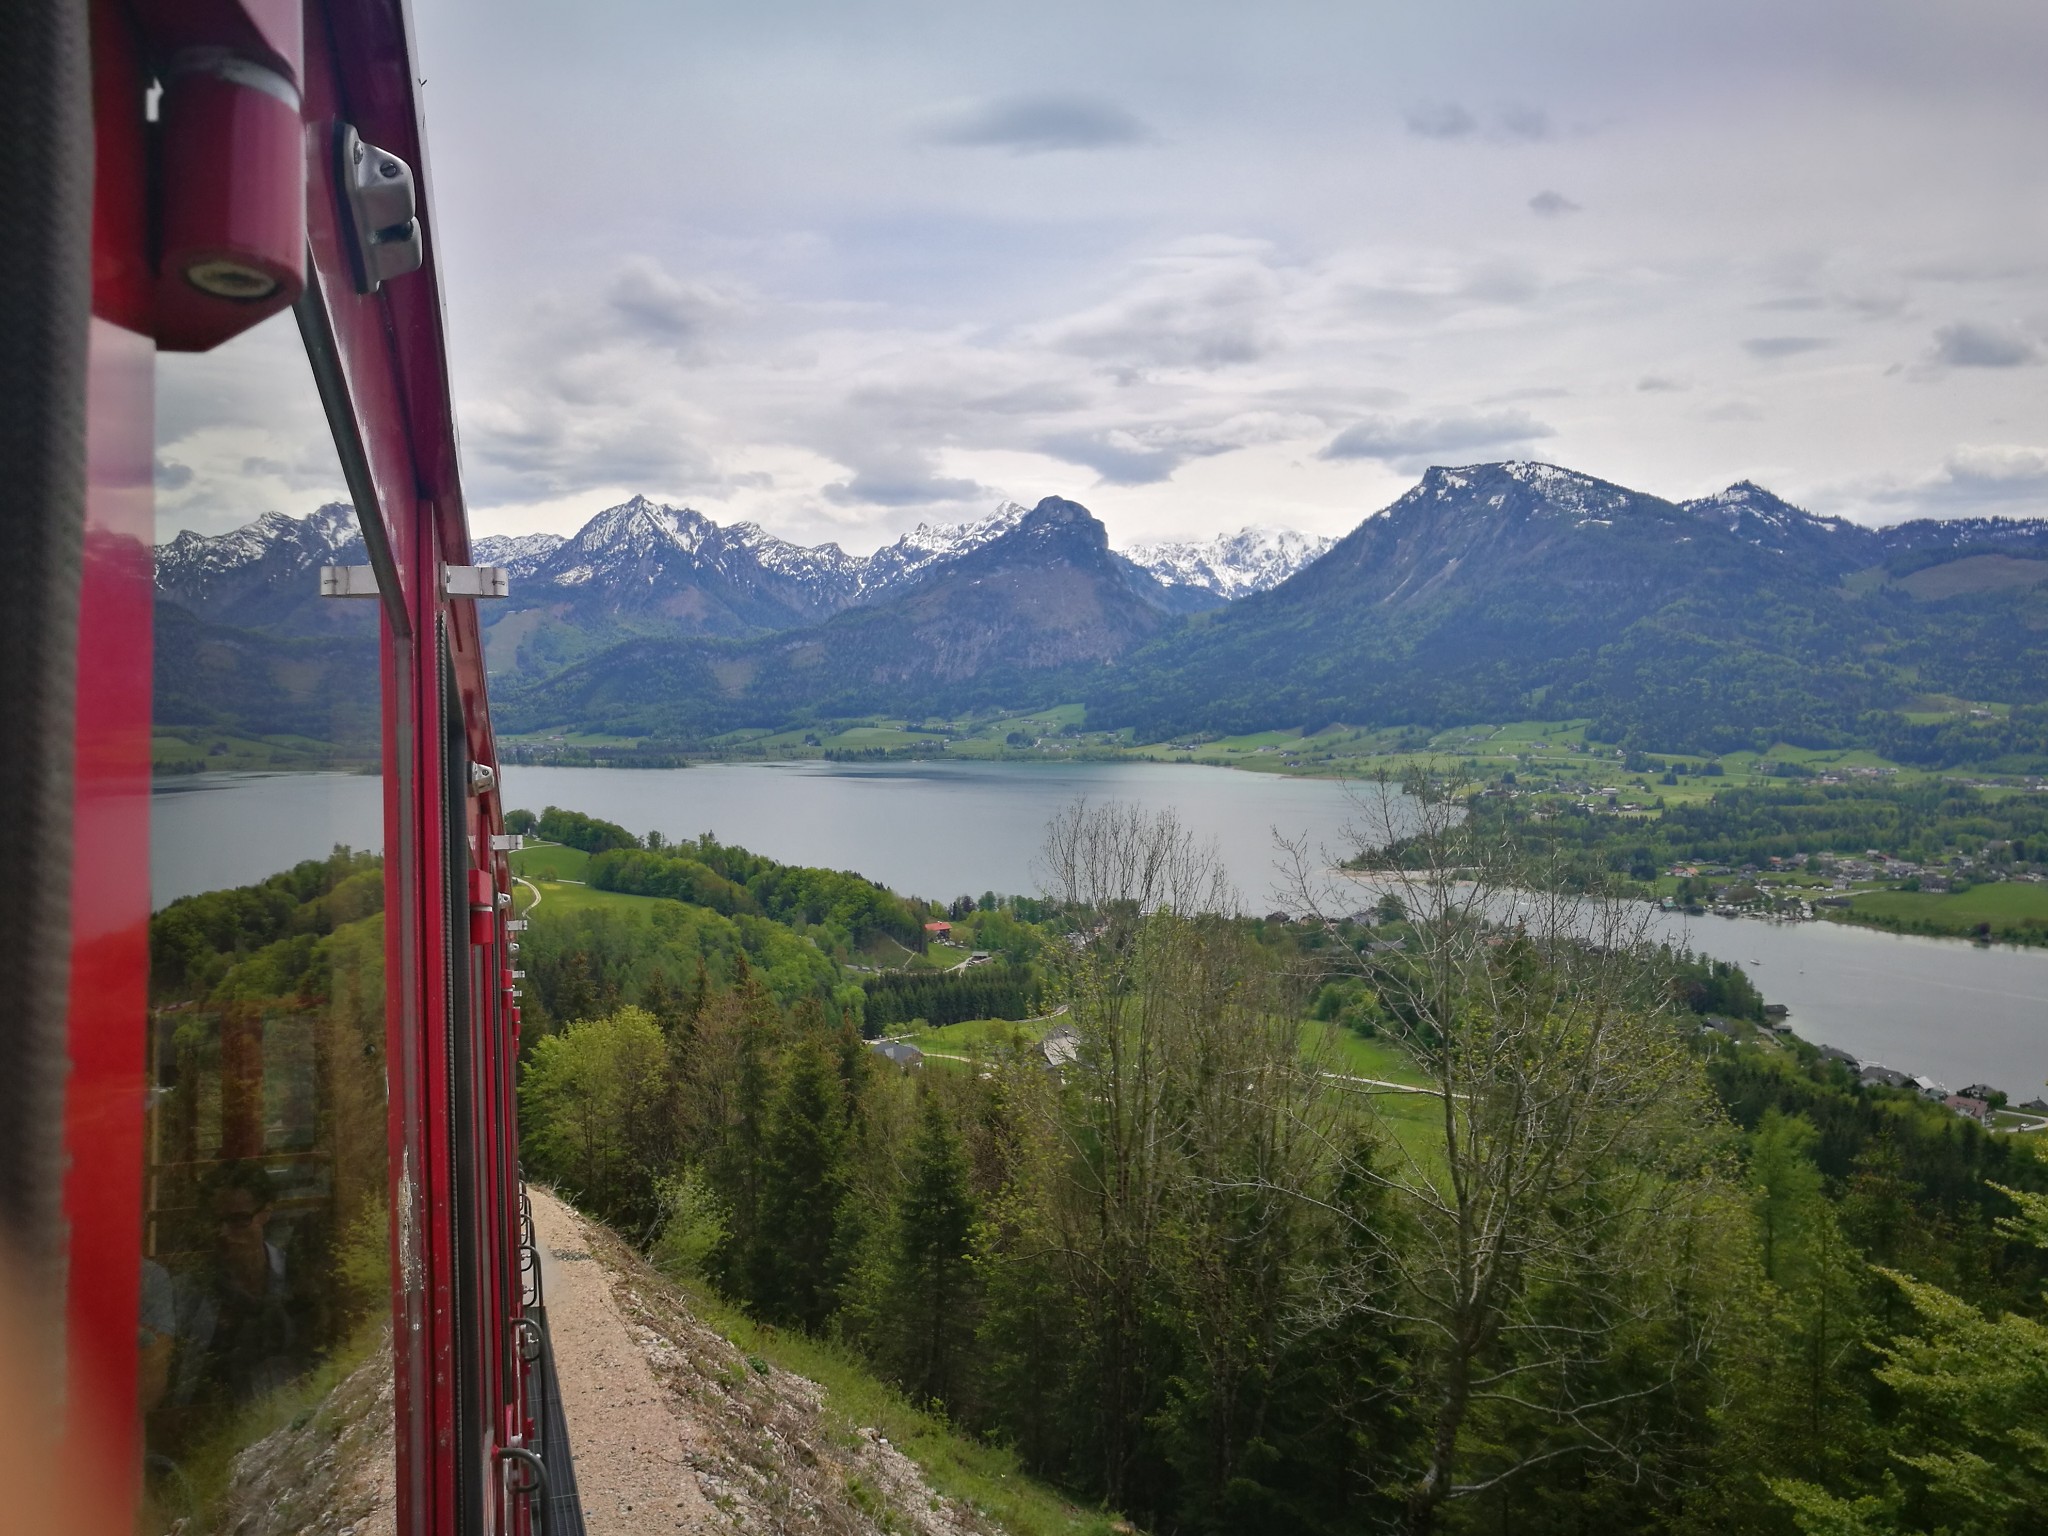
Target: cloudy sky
column 842, row 268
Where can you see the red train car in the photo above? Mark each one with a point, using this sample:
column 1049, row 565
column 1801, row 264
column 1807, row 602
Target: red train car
column 276, row 1154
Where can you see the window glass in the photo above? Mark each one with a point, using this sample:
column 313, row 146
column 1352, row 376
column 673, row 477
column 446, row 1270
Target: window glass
column 265, row 1355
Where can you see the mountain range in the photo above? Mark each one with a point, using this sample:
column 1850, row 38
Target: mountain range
column 644, row 568
column 1487, row 592
column 1518, row 590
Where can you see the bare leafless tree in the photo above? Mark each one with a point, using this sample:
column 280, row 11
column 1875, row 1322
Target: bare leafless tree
column 1116, row 855
column 1571, row 1153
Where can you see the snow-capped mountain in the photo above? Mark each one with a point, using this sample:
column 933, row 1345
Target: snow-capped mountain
column 644, row 567
column 522, row 554
column 264, row 573
column 641, row 566
column 894, row 566
column 1231, row 565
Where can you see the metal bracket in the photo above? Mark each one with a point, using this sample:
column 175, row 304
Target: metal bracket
column 515, row 924
column 349, row 581
column 377, row 190
column 476, row 581
column 506, row 842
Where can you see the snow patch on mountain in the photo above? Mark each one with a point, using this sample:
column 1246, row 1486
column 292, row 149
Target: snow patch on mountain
column 1232, row 565
column 894, row 566
column 194, row 557
column 521, row 554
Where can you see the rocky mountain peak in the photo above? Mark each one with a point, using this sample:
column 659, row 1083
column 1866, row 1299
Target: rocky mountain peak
column 1056, row 518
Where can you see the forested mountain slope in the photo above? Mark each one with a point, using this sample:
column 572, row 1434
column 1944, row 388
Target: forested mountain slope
column 1505, row 591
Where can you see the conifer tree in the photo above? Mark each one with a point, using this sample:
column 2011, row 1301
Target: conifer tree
column 700, row 990
column 934, row 1258
column 795, row 1263
column 660, row 1001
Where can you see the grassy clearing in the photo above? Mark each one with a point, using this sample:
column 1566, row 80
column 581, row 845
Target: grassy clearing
column 2014, row 909
column 988, row 1477
column 985, row 1036
column 551, row 861
column 560, row 897
column 189, row 750
column 1356, row 1056
column 884, row 953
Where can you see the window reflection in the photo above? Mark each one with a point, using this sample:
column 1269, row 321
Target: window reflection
column 265, row 1381
column 265, row 1246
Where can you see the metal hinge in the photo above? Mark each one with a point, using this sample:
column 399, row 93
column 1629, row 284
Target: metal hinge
column 348, row 581
column 476, row 581
column 507, row 842
column 516, row 925
column 519, row 975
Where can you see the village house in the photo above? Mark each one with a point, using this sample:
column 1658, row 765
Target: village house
column 1969, row 1108
column 901, row 1053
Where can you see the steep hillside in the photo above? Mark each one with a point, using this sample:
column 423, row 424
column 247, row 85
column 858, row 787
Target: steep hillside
column 213, row 681
column 1043, row 601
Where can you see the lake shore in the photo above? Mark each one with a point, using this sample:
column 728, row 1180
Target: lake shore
column 1958, row 1011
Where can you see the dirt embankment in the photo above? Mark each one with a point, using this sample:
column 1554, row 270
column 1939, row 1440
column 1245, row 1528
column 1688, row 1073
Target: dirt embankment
column 673, row 1428
column 329, row 1472
column 761, row 1446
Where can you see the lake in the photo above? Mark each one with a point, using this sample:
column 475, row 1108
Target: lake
column 1952, row 1010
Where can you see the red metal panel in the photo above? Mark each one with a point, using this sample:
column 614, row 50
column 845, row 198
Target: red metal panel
column 110, row 869
column 391, row 356
column 110, row 897
column 364, row 334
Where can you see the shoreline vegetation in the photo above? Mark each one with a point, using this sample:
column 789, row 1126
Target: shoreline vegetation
column 1844, row 834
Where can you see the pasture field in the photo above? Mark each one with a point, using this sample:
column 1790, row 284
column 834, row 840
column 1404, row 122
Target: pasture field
column 2015, row 909
column 550, row 861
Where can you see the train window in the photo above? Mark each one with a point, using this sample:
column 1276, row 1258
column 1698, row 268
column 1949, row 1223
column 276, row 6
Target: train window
column 266, row 1378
